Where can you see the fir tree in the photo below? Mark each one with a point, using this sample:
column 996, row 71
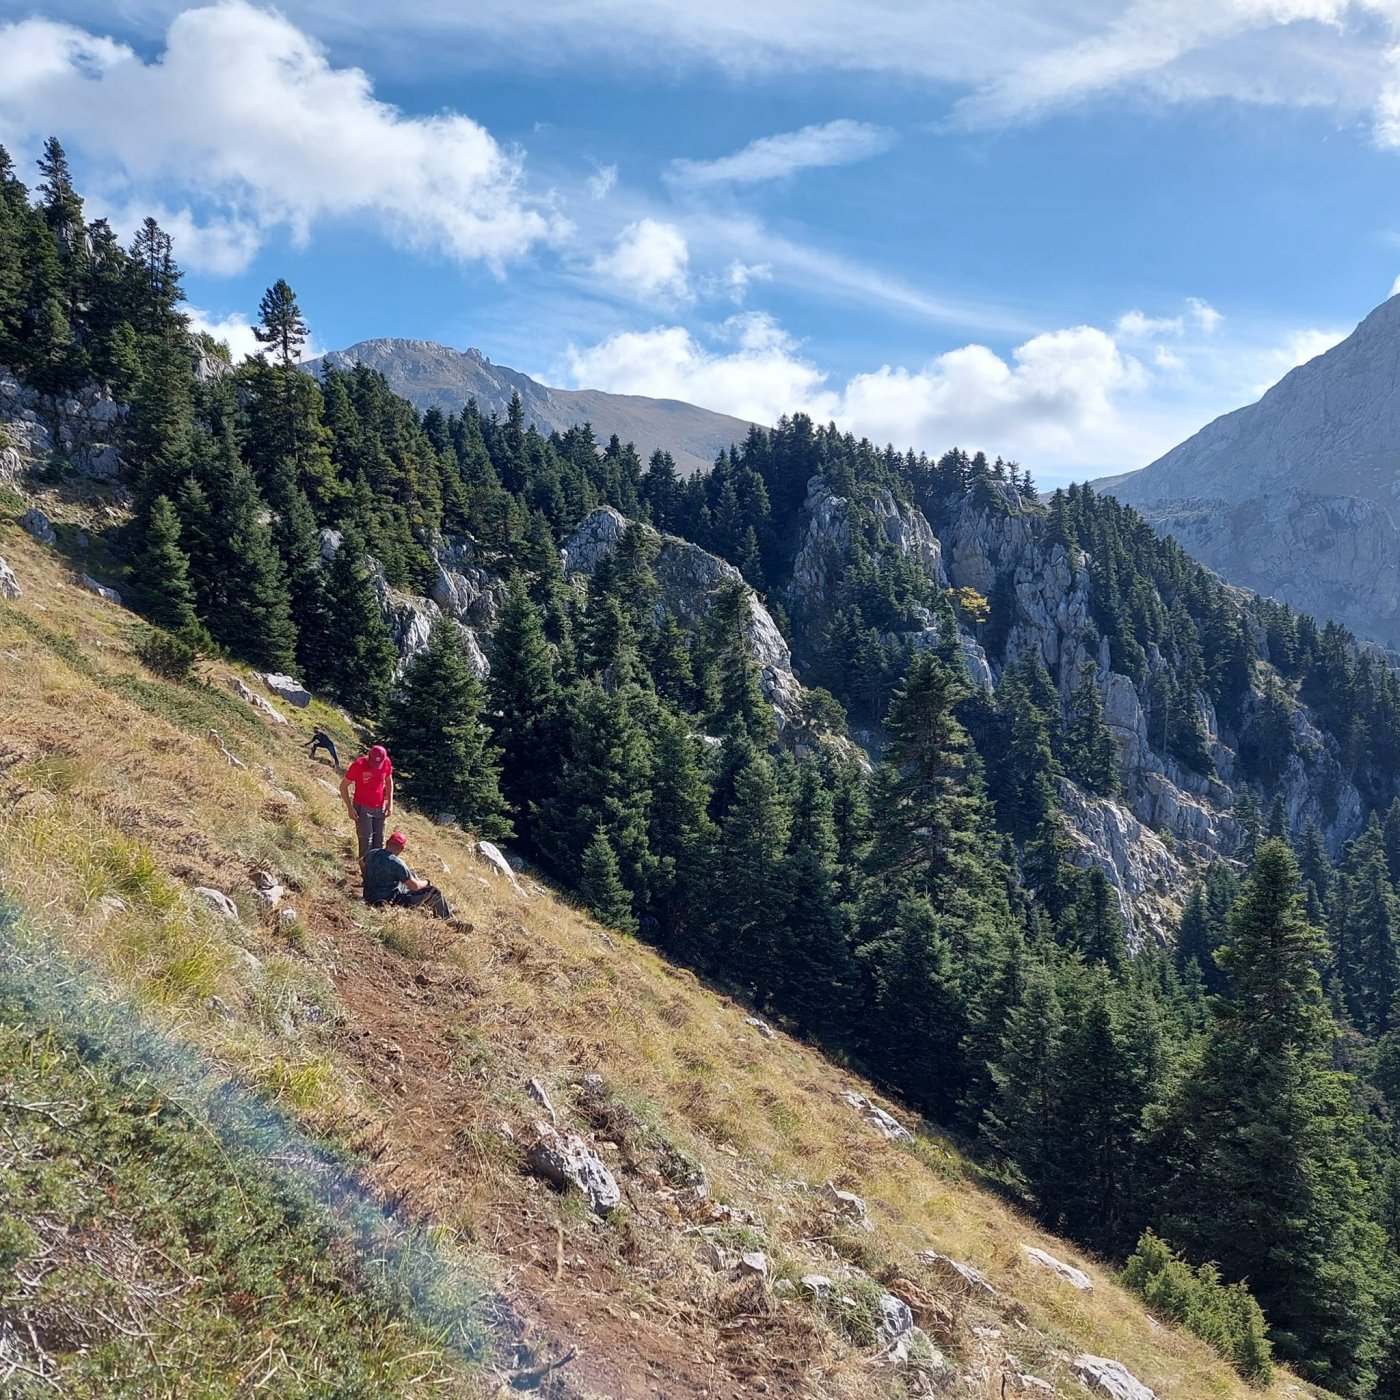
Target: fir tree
column 604, row 894
column 161, row 571
column 433, row 728
column 235, row 571
column 1091, row 756
column 920, row 1015
column 819, row 981
column 353, row 656
column 1022, row 1122
column 280, row 323
column 1258, row 1140
column 521, row 704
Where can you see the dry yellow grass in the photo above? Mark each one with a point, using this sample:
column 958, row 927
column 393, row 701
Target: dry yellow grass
column 418, row 1046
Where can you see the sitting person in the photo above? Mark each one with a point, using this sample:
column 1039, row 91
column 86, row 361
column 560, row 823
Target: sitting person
column 389, row 881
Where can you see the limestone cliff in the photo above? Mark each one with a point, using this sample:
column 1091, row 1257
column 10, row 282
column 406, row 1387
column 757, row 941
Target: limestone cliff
column 1298, row 495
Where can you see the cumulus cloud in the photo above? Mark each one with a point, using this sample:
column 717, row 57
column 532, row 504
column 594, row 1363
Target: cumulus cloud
column 1080, row 401
column 246, row 122
column 1053, row 391
column 773, row 157
column 755, row 372
column 650, row 260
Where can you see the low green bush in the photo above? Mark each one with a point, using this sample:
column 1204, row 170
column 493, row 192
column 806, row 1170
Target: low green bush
column 169, row 656
column 1223, row 1314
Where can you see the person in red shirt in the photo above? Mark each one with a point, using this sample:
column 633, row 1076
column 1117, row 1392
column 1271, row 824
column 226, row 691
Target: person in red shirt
column 367, row 790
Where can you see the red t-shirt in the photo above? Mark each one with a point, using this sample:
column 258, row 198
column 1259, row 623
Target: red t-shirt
column 366, row 783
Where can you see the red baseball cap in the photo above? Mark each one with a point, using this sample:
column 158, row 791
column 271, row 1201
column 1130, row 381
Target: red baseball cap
column 378, row 756
column 396, row 838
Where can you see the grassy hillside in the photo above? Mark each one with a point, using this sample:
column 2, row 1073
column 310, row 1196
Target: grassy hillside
column 410, row 1048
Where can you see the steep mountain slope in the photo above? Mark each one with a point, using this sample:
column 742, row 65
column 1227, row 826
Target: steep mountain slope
column 1298, row 495
column 440, row 1057
column 435, row 376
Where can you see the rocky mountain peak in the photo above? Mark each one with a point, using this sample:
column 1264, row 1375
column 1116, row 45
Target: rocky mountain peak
column 1298, row 495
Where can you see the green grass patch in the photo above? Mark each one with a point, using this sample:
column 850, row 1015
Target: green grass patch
column 167, row 1232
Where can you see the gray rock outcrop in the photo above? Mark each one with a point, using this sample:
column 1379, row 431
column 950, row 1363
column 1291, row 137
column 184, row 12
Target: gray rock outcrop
column 36, row 523
column 689, row 578
column 1111, row 1379
column 9, row 584
column 109, row 595
column 83, row 429
column 884, row 1123
column 566, row 1160
column 218, row 901
column 468, row 591
column 287, row 688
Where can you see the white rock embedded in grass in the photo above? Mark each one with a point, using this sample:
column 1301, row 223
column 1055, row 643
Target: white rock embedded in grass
column 218, row 901
column 1076, row 1278
column 109, row 595
column 883, row 1123
column 9, row 584
column 495, row 857
column 39, row 525
column 848, row 1205
column 1111, row 1379
column 955, row 1272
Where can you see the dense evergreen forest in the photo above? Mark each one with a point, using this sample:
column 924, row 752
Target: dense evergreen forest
column 1234, row 1094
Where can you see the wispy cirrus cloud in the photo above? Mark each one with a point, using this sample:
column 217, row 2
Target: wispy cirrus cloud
column 840, row 142
column 1013, row 61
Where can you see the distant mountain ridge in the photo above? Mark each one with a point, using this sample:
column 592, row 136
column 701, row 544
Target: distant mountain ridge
column 430, row 375
column 1298, row 495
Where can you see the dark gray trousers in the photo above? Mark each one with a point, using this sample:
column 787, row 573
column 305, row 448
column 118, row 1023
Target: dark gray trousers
column 369, row 828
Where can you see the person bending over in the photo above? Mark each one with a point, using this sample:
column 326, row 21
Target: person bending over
column 367, row 789
column 321, row 740
column 388, row 880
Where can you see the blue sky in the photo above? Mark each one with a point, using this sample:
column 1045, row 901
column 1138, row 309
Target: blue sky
column 1068, row 233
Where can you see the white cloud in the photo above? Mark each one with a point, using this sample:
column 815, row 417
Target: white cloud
column 1015, row 60
column 602, row 182
column 739, row 276
column 757, row 374
column 1134, row 325
column 245, row 121
column 650, row 260
column 1394, row 288
column 1204, row 314
column 773, row 157
column 1297, row 348
column 1067, row 403
column 1047, row 401
column 234, row 330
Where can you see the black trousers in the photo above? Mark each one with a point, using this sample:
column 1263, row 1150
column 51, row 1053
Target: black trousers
column 430, row 895
column 329, row 748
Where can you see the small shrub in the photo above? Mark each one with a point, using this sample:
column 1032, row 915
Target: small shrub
column 170, row 657
column 1225, row 1315
column 822, row 710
